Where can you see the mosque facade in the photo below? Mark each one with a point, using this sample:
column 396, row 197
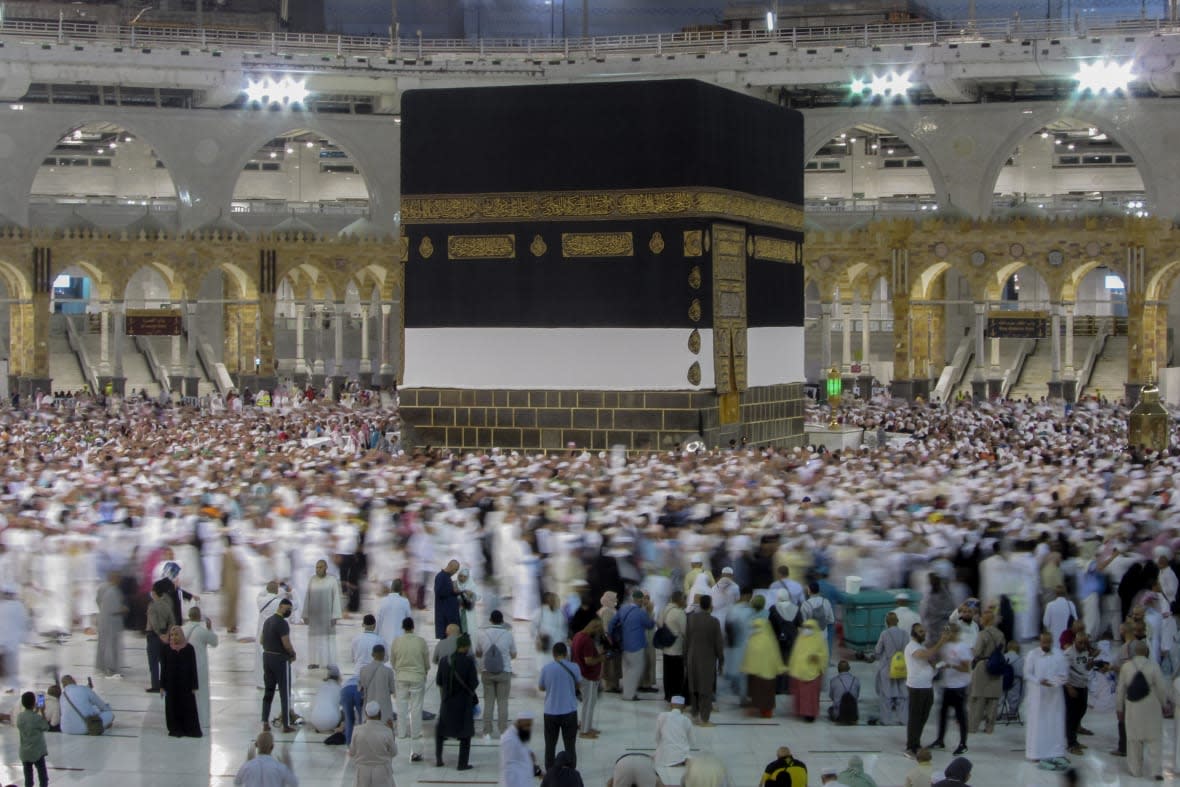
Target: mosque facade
column 980, row 218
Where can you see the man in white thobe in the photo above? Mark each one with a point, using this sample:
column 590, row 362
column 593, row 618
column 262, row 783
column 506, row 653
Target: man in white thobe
column 201, row 636
column 725, row 594
column 14, row 627
column 517, row 763
column 324, row 714
column 1045, row 672
column 321, row 609
column 362, row 644
column 1058, row 612
column 906, row 615
column 392, row 610
column 673, row 735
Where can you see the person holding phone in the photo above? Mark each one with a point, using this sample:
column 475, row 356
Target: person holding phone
column 32, row 726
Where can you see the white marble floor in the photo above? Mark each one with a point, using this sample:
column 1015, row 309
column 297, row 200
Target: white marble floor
column 139, row 751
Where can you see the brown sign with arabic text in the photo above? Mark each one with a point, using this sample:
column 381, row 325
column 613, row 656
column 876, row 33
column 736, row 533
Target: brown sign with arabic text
column 152, row 322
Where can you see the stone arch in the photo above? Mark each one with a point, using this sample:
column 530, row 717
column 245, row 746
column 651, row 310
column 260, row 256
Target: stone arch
column 812, row 295
column 104, row 285
column 15, row 281
column 998, row 280
column 925, row 279
column 1040, row 117
column 1159, row 284
column 156, row 272
column 377, row 277
column 1073, row 279
column 830, row 128
column 98, row 122
column 308, row 129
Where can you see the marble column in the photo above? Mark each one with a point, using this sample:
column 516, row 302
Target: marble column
column 366, row 367
column 174, row 364
column 300, row 358
column 338, row 340
column 386, row 368
column 1070, row 372
column 979, row 378
column 1055, row 342
column 117, row 372
column 191, row 375
column 104, row 342
column 846, row 338
column 825, row 337
column 317, row 365
column 865, row 334
column 1056, row 389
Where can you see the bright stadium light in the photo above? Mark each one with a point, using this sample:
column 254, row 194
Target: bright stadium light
column 1104, row 76
column 269, row 92
column 899, row 83
column 293, row 92
column 882, row 85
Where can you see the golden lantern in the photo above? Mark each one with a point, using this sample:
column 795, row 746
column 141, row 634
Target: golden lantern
column 835, row 388
column 1148, row 425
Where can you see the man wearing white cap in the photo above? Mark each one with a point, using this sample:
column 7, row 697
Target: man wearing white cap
column 725, row 594
column 518, row 765
column 673, row 735
column 373, row 748
column 698, row 580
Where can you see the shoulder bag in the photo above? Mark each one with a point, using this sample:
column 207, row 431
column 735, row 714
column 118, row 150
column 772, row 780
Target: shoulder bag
column 94, row 725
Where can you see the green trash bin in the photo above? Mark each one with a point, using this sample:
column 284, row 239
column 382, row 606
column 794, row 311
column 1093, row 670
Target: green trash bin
column 864, row 617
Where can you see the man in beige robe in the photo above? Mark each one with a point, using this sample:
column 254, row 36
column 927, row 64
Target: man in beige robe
column 1144, row 717
column 372, row 750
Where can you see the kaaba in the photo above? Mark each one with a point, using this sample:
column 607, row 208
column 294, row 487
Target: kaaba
column 600, row 265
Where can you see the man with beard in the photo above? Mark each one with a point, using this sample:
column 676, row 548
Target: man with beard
column 277, row 655
column 322, row 607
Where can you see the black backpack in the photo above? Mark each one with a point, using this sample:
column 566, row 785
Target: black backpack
column 996, row 663
column 1138, row 688
column 847, row 714
column 663, row 638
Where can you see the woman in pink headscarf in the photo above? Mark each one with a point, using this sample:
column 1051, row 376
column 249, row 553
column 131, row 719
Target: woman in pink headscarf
column 612, row 667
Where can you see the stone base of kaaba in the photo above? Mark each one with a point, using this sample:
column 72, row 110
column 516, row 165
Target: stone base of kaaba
column 477, row 419
column 838, row 439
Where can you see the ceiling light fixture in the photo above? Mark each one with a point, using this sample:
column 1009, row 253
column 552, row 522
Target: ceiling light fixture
column 270, row 92
column 1104, row 76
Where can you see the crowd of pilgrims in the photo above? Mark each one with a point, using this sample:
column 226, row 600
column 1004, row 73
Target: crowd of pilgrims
column 984, row 511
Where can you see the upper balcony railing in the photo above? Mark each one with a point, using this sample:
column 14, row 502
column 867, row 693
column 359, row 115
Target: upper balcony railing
column 256, row 41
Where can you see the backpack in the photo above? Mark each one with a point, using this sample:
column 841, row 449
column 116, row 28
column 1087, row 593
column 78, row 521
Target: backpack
column 817, row 612
column 996, row 663
column 1138, row 688
column 897, row 668
column 847, row 714
column 493, row 660
column 663, row 638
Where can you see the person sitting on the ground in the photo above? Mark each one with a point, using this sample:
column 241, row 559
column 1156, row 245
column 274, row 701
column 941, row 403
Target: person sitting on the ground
column 785, row 771
column 854, row 775
column 673, row 735
column 844, row 692
column 324, row 714
column 921, row 775
column 261, row 769
column 957, row 773
column 78, row 702
column 635, row 769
